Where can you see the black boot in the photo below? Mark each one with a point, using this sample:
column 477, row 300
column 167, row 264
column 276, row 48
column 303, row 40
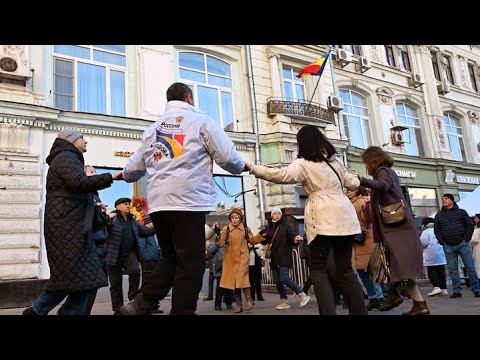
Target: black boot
column 29, row 311
column 139, row 306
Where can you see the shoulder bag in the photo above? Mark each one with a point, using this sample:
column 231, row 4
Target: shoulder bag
column 393, row 213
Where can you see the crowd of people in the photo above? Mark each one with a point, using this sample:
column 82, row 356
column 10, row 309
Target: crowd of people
column 344, row 226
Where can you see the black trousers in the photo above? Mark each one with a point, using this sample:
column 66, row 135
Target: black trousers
column 436, row 275
column 130, row 264
column 255, row 277
column 345, row 278
column 181, row 236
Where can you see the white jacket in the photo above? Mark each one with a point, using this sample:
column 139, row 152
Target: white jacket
column 433, row 253
column 177, row 152
column 328, row 210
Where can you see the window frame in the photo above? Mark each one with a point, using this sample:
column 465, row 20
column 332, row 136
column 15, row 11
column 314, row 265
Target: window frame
column 108, row 68
column 293, row 82
column 415, row 129
column 364, row 120
column 194, row 84
column 451, row 134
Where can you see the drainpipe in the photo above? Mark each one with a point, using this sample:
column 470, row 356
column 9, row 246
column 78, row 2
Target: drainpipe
column 255, row 130
column 335, row 91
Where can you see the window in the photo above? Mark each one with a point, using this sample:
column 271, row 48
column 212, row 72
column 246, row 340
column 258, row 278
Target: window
column 405, row 60
column 407, row 116
column 293, row 87
column 448, row 69
column 464, row 194
column 423, row 201
column 355, row 118
column 436, row 70
column 473, row 79
column 354, row 49
column 90, row 78
column 389, row 55
column 455, row 137
column 117, row 190
column 211, row 81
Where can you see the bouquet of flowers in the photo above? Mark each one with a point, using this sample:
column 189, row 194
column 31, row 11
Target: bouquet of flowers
column 138, row 208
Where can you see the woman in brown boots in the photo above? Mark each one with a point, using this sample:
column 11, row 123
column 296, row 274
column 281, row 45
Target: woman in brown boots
column 401, row 238
column 234, row 238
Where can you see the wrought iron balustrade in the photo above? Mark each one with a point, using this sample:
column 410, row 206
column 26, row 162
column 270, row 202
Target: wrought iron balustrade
column 300, row 109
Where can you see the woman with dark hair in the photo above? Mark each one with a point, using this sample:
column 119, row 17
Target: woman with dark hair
column 401, row 240
column 330, row 218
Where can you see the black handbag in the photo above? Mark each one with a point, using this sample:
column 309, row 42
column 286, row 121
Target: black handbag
column 100, row 218
column 360, row 238
column 392, row 213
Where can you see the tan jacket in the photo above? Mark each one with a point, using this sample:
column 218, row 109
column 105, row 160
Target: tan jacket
column 236, row 257
column 328, row 210
column 361, row 253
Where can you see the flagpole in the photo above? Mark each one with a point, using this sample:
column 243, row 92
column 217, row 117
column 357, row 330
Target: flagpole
column 318, row 81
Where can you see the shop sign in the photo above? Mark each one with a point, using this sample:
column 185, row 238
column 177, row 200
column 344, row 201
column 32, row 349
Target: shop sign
column 123, row 153
column 406, row 174
column 463, row 179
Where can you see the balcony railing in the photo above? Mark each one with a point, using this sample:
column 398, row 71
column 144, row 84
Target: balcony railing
column 300, row 109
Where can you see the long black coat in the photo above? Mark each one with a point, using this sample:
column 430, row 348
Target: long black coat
column 402, row 240
column 72, row 257
column 282, row 245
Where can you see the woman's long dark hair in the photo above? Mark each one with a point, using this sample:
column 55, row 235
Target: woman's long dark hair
column 313, row 145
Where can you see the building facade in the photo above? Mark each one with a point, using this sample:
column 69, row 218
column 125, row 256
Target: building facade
column 421, row 103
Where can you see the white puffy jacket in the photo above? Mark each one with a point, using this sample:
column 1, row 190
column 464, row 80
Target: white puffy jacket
column 177, row 152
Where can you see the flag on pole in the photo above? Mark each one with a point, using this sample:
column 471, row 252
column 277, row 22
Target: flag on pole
column 316, row 68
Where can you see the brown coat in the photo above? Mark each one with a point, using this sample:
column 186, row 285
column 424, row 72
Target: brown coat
column 361, row 253
column 402, row 239
column 236, row 257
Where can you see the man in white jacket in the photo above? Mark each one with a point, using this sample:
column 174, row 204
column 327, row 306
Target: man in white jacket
column 177, row 152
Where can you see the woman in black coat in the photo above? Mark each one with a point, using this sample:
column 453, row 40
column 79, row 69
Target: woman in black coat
column 75, row 268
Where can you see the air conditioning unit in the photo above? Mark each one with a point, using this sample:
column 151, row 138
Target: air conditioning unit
column 343, row 56
column 335, row 103
column 416, row 80
column 443, row 88
column 397, row 138
column 364, row 64
column 14, row 62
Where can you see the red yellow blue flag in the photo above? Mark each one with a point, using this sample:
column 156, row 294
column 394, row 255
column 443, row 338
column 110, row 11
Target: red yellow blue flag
column 316, row 68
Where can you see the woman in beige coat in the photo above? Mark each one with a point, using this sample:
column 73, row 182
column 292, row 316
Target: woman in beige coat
column 330, row 218
column 234, row 238
column 362, row 251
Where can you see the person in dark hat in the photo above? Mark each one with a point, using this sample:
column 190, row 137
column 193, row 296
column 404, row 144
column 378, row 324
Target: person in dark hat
column 125, row 251
column 68, row 227
column 453, row 229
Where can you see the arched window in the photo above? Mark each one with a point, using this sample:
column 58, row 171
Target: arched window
column 455, row 137
column 355, row 118
column 211, row 81
column 407, row 116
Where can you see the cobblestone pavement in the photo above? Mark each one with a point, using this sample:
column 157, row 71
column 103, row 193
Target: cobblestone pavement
column 438, row 305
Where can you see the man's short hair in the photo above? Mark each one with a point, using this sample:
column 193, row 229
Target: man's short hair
column 178, row 91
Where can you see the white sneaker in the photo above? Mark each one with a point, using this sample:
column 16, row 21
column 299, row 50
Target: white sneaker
column 283, row 305
column 304, row 299
column 435, row 291
column 444, row 292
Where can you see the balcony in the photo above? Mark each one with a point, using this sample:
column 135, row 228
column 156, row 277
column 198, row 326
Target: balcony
column 299, row 109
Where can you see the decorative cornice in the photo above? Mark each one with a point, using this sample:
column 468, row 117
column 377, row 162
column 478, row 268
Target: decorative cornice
column 7, row 119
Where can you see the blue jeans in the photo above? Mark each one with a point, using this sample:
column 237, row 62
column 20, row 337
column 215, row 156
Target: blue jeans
column 281, row 276
column 374, row 290
column 49, row 299
column 465, row 251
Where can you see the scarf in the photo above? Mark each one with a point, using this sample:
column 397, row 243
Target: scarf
column 373, row 217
